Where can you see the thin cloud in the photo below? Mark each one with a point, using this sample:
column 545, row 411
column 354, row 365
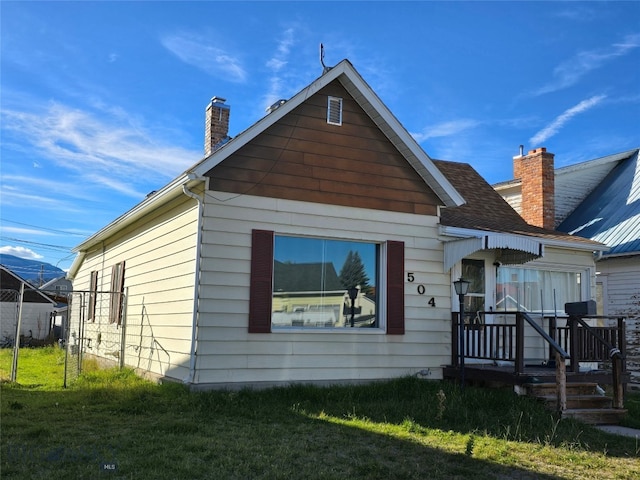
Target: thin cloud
column 197, row 52
column 578, row 13
column 553, row 128
column 50, row 185
column 26, row 231
column 12, row 196
column 21, row 252
column 275, row 64
column 98, row 147
column 571, row 71
column 445, row 129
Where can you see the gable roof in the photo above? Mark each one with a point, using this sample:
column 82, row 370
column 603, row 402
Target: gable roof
column 343, row 72
column 486, row 221
column 346, row 74
column 11, row 281
column 611, row 212
column 574, row 183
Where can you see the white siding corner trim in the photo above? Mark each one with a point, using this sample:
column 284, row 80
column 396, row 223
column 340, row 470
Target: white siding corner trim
column 519, row 249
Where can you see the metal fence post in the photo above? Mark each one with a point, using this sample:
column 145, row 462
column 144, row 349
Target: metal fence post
column 16, row 344
column 124, row 326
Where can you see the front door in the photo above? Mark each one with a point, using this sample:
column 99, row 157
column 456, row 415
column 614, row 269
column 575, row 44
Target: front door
column 475, row 303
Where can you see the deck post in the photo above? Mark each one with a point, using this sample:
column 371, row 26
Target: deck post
column 574, row 342
column 519, row 364
column 618, row 388
column 561, row 382
column 622, row 340
column 553, row 333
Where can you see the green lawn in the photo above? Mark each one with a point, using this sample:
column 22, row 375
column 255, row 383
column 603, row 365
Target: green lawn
column 111, row 424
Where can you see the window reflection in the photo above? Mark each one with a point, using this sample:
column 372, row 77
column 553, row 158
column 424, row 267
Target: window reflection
column 312, row 282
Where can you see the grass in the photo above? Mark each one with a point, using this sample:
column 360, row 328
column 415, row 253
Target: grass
column 112, row 424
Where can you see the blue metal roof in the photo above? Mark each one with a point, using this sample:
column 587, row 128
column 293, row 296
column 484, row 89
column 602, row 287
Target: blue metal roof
column 611, row 213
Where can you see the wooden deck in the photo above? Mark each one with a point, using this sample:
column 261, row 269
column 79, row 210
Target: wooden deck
column 494, row 375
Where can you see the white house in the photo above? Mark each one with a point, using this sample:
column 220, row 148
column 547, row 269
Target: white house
column 209, row 266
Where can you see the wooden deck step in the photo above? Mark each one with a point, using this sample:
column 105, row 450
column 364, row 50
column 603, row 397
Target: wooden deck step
column 578, row 401
column 585, row 402
column 596, row 416
column 573, row 388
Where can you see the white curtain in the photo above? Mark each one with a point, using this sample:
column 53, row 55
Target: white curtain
column 536, row 291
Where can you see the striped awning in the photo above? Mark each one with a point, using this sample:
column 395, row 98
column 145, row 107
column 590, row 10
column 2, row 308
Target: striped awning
column 510, row 249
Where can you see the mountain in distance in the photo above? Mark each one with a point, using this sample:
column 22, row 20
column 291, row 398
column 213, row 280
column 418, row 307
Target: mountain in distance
column 33, row 271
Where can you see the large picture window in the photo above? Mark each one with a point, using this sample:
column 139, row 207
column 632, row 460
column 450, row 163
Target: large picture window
column 319, row 283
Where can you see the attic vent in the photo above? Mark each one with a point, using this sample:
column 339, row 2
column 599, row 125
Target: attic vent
column 334, row 111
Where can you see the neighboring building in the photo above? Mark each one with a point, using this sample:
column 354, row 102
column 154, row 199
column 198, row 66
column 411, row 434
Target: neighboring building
column 236, row 272
column 600, row 200
column 58, row 287
column 37, row 307
column 59, row 290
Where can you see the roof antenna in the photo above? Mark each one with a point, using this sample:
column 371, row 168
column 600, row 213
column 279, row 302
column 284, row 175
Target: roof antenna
column 325, row 69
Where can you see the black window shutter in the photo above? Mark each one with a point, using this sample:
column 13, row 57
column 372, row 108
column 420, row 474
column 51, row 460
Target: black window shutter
column 261, row 289
column 395, row 288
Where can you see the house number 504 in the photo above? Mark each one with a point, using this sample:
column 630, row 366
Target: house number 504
column 420, row 288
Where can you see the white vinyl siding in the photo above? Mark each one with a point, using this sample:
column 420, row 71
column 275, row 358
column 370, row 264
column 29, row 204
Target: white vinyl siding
column 573, row 184
column 227, row 353
column 623, row 298
column 160, row 261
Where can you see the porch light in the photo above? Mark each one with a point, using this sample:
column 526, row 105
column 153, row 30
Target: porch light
column 462, row 287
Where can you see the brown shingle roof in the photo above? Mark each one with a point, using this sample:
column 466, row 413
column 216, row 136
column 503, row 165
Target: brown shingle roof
column 486, row 209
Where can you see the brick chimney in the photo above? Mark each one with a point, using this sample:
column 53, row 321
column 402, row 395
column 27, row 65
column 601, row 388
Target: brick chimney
column 216, row 125
column 536, row 173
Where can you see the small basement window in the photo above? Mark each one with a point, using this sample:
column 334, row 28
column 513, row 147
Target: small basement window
column 334, row 111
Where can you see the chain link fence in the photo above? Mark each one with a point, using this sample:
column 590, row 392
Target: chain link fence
column 10, row 307
column 95, row 332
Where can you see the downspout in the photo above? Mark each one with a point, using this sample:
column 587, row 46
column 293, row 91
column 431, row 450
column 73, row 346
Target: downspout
column 196, row 289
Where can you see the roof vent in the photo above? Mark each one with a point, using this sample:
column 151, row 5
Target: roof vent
column 276, row 105
column 334, row 111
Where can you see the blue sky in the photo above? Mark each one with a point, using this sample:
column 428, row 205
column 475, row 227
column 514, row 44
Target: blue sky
column 103, row 102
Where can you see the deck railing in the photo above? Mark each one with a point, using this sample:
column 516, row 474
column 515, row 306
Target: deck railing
column 599, row 344
column 576, row 342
